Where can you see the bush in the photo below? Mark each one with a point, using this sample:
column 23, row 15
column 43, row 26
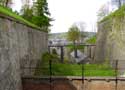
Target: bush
column 47, row 56
column 54, row 51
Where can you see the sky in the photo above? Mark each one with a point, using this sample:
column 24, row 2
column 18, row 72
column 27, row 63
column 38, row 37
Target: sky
column 67, row 12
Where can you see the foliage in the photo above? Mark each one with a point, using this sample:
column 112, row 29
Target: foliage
column 54, row 51
column 41, row 7
column 73, row 34
column 5, row 3
column 27, row 12
column 46, row 57
column 103, row 11
column 45, row 61
column 41, row 21
column 92, row 40
column 37, row 14
column 118, row 14
column 8, row 12
column 81, row 26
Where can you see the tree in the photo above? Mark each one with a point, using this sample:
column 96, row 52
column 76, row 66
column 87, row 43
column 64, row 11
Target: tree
column 81, row 25
column 118, row 3
column 103, row 11
column 41, row 10
column 73, row 34
column 6, row 3
column 38, row 13
column 41, row 7
column 27, row 12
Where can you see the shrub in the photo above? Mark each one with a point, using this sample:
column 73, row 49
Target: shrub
column 54, row 51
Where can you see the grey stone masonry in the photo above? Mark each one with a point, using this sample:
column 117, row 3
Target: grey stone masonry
column 20, row 46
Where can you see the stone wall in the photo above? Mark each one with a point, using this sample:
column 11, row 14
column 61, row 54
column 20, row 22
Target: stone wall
column 73, row 83
column 111, row 40
column 20, row 46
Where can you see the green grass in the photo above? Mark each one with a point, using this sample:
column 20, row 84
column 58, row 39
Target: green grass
column 92, row 40
column 5, row 11
column 79, row 47
column 59, row 69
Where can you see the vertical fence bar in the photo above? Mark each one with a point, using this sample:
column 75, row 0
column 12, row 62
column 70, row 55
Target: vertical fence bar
column 116, row 73
column 62, row 54
column 90, row 51
column 50, row 71
column 83, row 75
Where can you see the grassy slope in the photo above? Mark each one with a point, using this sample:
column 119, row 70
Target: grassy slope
column 7, row 12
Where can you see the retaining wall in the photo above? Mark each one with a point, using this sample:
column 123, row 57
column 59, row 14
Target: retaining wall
column 20, row 46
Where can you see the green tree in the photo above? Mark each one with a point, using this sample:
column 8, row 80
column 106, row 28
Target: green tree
column 27, row 12
column 37, row 14
column 81, row 25
column 41, row 8
column 73, row 34
column 42, row 14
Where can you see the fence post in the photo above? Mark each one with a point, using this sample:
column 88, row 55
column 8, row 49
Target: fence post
column 90, row 51
column 50, row 71
column 116, row 73
column 62, row 54
column 83, row 75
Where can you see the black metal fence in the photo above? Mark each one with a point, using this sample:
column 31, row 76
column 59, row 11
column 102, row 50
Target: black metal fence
column 114, row 68
column 63, row 49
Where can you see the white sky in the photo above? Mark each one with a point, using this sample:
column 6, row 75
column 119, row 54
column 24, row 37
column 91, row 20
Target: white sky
column 67, row 12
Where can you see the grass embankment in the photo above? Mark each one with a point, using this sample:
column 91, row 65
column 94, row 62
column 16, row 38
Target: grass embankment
column 9, row 13
column 59, row 69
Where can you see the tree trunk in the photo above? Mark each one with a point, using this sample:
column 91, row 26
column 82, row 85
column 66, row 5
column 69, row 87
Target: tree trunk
column 75, row 50
column 7, row 2
column 119, row 3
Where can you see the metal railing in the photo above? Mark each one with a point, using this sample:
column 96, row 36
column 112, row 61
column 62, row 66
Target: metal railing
column 51, row 69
